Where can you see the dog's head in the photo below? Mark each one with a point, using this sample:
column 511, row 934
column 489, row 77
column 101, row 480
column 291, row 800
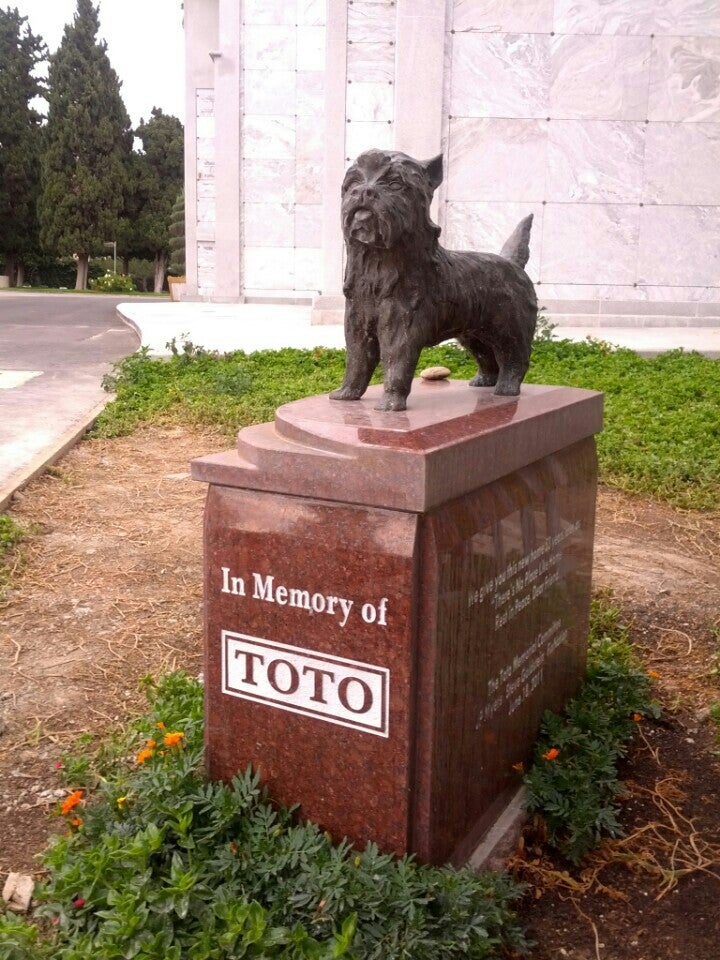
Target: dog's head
column 386, row 194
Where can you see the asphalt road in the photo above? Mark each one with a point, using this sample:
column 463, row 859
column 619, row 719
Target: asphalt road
column 54, row 351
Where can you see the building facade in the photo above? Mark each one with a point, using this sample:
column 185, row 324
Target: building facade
column 601, row 117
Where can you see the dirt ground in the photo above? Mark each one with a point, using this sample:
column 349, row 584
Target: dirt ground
column 110, row 589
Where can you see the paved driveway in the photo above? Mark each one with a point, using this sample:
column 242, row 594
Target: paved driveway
column 54, row 351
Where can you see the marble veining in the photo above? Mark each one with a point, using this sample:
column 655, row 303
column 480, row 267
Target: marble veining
column 591, row 242
column 371, row 22
column 308, row 225
column 645, row 17
column 268, row 138
column 310, row 94
column 268, row 224
column 369, row 101
column 599, row 78
column 370, row 62
column 679, row 246
column 309, row 139
column 685, row 79
column 308, row 269
column 269, row 48
column 593, row 160
column 500, row 75
column 268, row 12
column 503, row 16
column 308, row 181
column 695, row 179
column 310, row 12
column 492, row 159
column 269, row 268
column 269, row 92
column 268, row 181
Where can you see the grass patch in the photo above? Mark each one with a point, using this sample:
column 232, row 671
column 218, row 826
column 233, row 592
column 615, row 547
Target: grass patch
column 661, row 436
column 573, row 785
column 11, row 535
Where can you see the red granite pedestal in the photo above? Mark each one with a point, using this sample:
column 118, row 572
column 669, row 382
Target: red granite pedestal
column 393, row 600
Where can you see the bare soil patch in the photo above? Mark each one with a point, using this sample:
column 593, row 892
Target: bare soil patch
column 110, row 590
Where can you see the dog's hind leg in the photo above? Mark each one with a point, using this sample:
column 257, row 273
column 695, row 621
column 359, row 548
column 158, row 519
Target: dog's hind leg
column 488, row 368
column 512, row 373
column 363, row 354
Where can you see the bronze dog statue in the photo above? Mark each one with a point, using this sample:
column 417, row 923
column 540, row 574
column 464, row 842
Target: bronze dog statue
column 404, row 291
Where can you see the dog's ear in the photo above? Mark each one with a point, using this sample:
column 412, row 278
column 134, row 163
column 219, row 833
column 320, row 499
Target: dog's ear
column 434, row 170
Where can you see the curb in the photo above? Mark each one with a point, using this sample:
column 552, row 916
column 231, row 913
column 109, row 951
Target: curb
column 39, row 463
column 502, row 838
column 129, row 323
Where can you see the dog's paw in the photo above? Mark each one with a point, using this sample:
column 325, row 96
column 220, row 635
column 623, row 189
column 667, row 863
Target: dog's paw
column 345, row 393
column 390, row 402
column 483, row 380
column 507, row 390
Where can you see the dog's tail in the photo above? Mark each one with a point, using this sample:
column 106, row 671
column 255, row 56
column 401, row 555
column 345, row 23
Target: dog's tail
column 517, row 247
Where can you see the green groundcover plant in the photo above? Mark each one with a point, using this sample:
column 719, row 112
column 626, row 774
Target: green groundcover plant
column 573, row 784
column 661, row 433
column 160, row 863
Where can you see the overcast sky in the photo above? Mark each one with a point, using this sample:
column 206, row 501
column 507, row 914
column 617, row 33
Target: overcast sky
column 145, row 46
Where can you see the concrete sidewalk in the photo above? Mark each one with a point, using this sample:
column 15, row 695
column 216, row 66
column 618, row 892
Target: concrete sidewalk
column 258, row 326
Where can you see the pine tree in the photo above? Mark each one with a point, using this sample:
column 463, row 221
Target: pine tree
column 177, row 237
column 160, row 169
column 20, row 141
column 88, row 142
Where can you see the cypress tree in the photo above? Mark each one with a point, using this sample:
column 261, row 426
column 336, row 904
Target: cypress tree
column 20, row 140
column 177, row 237
column 88, row 142
column 160, row 168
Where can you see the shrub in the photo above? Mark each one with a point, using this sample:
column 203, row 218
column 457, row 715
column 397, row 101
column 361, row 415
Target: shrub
column 113, row 283
column 573, row 784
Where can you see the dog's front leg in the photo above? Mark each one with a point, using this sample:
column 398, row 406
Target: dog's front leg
column 363, row 355
column 399, row 355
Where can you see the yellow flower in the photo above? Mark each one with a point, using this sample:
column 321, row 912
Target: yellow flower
column 144, row 755
column 173, row 739
column 121, row 801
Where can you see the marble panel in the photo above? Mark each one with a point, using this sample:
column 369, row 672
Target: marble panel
column 205, row 149
column 645, row 17
column 695, row 180
column 308, row 181
column 308, row 225
column 311, row 48
column 692, row 294
column 679, row 246
column 204, row 102
column 269, row 92
column 268, row 268
column 595, row 160
column 205, row 127
column 205, row 210
column 360, row 136
column 500, row 75
column 371, row 62
column 371, row 22
column 268, row 224
column 496, row 159
column 599, row 78
column 486, row 226
column 268, row 138
column 206, row 256
column 503, row 16
column 308, row 268
column 268, row 12
column 206, row 168
column 269, row 181
column 311, row 13
column 590, row 243
column 206, row 189
column 369, row 101
column 685, row 79
column 310, row 142
column 310, row 95
column 270, row 48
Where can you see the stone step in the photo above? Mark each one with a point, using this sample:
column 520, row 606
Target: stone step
column 629, row 321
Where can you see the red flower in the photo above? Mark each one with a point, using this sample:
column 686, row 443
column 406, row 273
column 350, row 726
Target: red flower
column 79, row 902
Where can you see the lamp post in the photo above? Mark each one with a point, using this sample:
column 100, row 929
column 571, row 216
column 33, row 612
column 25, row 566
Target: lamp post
column 113, row 244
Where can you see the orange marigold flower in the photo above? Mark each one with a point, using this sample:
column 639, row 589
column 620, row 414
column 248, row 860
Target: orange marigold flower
column 552, row 754
column 160, row 725
column 77, row 822
column 144, row 755
column 653, row 674
column 233, row 848
column 152, row 743
column 72, row 801
column 520, row 767
column 173, row 739
column 637, row 717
